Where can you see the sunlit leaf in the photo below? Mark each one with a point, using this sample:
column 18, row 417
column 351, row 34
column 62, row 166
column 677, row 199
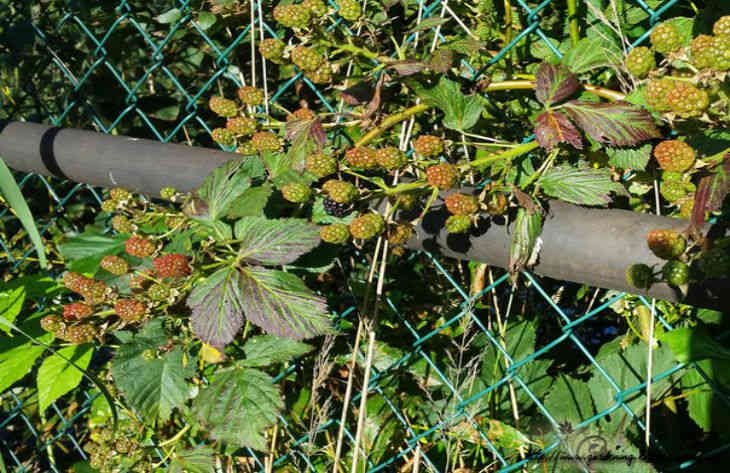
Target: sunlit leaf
column 275, row 242
column 525, row 239
column 585, row 186
column 615, row 123
column 217, row 308
column 552, row 128
column 554, row 83
column 461, row 112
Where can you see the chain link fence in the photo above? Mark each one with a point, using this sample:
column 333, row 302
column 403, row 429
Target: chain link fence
column 147, row 72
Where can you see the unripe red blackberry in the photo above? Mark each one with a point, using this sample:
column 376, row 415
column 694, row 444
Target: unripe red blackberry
column 75, row 281
column 701, row 51
column 317, row 8
column 321, row 164
column 223, row 107
column 121, row 224
column 251, row 95
column 366, row 226
column 458, row 224
column 715, row 263
column 265, row 141
column 296, row 192
column 130, row 310
column 400, row 233
column 242, row 125
column 337, row 233
column 120, row 194
column 93, row 291
column 140, row 247
column 665, row 38
column 172, row 265
column 292, row 16
column 390, row 158
column 428, row 146
column 666, row 244
column 223, row 136
column 114, row 264
column 721, row 52
column 639, row 276
column 272, row 49
column 722, row 26
column 656, row 93
column 301, row 114
column 78, row 334
column 497, row 204
column 676, row 273
column 639, row 61
column 686, row 205
column 76, row 311
column 158, row 292
column 306, row 59
column 462, row 204
column 350, row 10
column 52, row 323
column 362, row 157
column 321, row 75
column 686, row 100
column 443, row 176
column 674, row 155
column 342, row 192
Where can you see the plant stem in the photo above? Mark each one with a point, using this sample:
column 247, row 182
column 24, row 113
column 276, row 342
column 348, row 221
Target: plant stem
column 510, row 153
column 527, row 84
column 573, row 18
column 391, row 121
column 405, row 187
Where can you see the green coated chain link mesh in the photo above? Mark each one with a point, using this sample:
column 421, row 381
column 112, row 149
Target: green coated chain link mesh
column 94, row 84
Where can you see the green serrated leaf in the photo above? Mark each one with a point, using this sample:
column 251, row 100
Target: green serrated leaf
column 223, row 186
column 525, row 236
column 282, row 305
column 206, row 20
column 615, row 123
column 584, row 186
column 154, row 386
column 593, row 52
column 706, row 405
column 251, row 203
column 461, row 112
column 200, row 459
column 238, row 406
column 217, row 308
column 275, row 242
column 93, row 245
column 16, row 359
column 11, row 303
column 694, row 344
column 570, row 400
column 630, row 158
column 429, row 23
column 56, row 376
column 265, row 350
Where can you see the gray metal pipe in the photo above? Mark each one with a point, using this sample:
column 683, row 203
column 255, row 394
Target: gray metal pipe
column 584, row 245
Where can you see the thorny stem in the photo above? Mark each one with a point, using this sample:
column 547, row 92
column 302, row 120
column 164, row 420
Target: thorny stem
column 391, row 121
column 573, row 18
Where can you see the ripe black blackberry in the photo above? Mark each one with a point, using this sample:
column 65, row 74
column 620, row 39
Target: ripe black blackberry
column 336, row 209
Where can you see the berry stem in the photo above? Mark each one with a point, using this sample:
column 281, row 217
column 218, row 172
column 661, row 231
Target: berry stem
column 389, row 122
column 405, row 187
column 510, row 153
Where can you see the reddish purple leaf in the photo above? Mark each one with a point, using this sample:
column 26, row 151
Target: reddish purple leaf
column 552, row 128
column 615, row 123
column 711, row 192
column 362, row 92
column 554, row 83
column 407, row 67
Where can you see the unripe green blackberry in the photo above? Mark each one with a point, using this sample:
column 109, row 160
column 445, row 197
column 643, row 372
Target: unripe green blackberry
column 497, row 204
column 120, row 194
column 674, row 155
column 272, row 49
column 673, row 191
column 321, row 164
column 265, row 141
column 109, row 205
column 656, row 93
column 306, row 59
column 76, row 311
column 242, row 125
column 443, row 176
column 666, row 244
column 317, row 8
column 342, row 192
column 686, row 205
column 140, row 247
column 168, row 193
column 247, row 149
column 390, row 158
column 672, row 176
column 223, row 107
column 686, row 100
column 296, row 192
column 114, row 264
column 458, row 224
column 665, row 38
column 639, row 276
column 676, row 273
column 722, row 26
column 158, row 292
column 366, row 226
column 52, row 323
column 337, row 233
column 223, row 136
column 121, row 224
column 721, row 52
column 362, row 157
column 350, row 9
column 405, row 200
column 400, row 233
column 321, row 75
column 93, row 291
column 251, row 95
column 462, row 204
column 428, row 146
column 130, row 310
column 78, row 334
column 292, row 16
column 715, row 263
column 640, row 61
column 701, row 51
